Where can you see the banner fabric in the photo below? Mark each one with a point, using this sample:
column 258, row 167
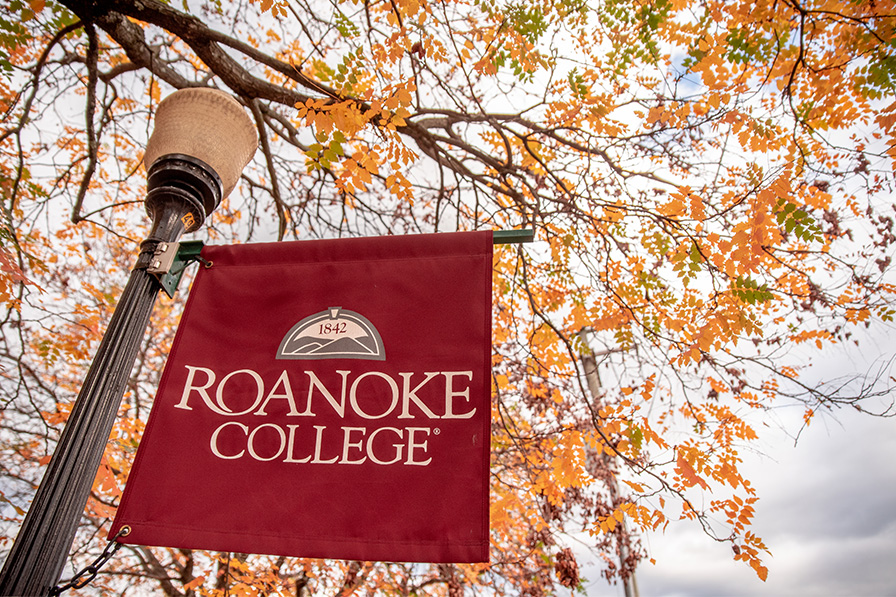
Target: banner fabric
column 325, row 399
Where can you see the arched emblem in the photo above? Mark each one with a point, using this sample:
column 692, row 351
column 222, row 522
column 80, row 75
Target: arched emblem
column 336, row 333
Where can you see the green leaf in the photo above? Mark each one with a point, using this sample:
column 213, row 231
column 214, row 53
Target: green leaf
column 636, row 437
column 750, row 291
column 797, row 221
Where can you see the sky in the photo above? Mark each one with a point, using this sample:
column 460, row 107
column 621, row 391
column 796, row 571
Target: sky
column 827, row 511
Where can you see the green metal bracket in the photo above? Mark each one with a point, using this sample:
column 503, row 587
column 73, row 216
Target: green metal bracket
column 187, row 252
column 506, row 237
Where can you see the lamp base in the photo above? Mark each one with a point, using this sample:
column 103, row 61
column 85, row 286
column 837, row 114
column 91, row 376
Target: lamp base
column 189, row 183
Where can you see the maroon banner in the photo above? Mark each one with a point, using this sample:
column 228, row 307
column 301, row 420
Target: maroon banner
column 325, row 399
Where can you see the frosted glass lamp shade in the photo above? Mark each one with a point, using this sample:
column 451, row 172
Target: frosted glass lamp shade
column 208, row 125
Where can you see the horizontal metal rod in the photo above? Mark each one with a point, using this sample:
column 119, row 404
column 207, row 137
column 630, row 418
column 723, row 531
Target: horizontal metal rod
column 506, row 237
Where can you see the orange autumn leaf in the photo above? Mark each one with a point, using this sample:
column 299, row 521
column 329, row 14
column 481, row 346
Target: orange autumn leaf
column 684, row 468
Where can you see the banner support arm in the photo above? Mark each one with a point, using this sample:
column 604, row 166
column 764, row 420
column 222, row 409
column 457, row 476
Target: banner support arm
column 506, row 237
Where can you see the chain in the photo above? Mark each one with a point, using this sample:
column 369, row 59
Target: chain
column 86, row 575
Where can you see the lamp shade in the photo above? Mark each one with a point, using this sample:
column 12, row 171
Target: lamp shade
column 206, row 124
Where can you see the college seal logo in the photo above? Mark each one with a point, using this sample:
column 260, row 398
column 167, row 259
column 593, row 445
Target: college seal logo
column 335, row 333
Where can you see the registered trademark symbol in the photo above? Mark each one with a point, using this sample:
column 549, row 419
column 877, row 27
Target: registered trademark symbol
column 436, row 431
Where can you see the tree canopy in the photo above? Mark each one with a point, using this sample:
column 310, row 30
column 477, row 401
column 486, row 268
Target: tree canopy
column 710, row 184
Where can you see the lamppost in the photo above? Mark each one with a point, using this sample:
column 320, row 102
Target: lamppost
column 200, row 144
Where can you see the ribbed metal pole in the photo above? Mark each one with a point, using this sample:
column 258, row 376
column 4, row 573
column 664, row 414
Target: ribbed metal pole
column 37, row 558
column 182, row 191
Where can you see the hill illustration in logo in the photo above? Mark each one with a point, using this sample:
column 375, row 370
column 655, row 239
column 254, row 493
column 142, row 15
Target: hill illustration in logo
column 336, row 333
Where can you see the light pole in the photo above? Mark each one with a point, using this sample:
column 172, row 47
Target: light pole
column 200, row 144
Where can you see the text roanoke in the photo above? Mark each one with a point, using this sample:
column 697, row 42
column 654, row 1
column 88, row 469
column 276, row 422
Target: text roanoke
column 203, row 381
